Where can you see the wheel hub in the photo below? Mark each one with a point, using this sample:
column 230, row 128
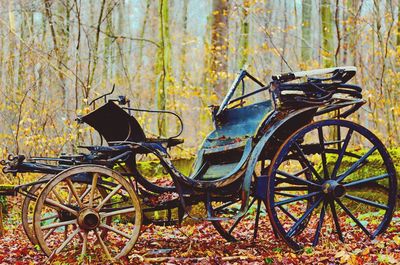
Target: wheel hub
column 88, row 219
column 333, row 188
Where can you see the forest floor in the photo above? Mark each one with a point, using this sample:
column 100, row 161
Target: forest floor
column 199, row 243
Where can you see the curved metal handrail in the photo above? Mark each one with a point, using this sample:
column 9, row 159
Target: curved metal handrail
column 160, row 111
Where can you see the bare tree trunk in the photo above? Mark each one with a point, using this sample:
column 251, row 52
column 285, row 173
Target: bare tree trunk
column 11, row 64
column 57, row 48
column 163, row 64
column 108, row 51
column 384, row 36
column 94, row 52
column 338, row 33
column 21, row 65
column 285, row 25
column 306, row 51
column 141, row 36
column 184, row 46
column 219, row 46
column 327, row 34
column 244, row 35
column 354, row 7
column 77, row 57
column 345, row 39
column 398, row 25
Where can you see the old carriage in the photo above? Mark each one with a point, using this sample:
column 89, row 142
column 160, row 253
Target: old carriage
column 284, row 148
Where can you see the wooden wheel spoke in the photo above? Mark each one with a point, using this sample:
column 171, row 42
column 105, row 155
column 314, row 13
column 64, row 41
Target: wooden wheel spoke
column 65, row 232
column 113, row 229
column 93, row 189
column 297, row 198
column 356, row 165
column 257, row 218
column 100, row 197
column 58, row 197
column 223, row 206
column 49, row 233
column 65, row 243
column 112, row 193
column 306, row 161
column 45, row 218
column 226, row 227
column 84, row 243
column 74, row 192
column 348, row 212
column 55, row 225
column 287, row 213
column 286, row 194
column 319, row 226
column 293, row 229
column 323, row 154
column 336, row 220
column 300, row 172
column 103, row 246
column 297, row 179
column 365, row 201
column 110, row 204
column 53, row 203
column 362, row 182
column 86, row 192
column 69, row 196
column 341, row 153
column 55, row 216
column 117, row 212
column 237, row 221
column 292, row 188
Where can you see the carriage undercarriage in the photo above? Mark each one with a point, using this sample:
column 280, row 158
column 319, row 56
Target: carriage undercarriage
column 282, row 155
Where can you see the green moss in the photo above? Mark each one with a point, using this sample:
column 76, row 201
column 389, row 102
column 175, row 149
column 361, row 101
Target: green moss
column 374, row 167
column 4, row 205
column 6, row 187
column 155, row 169
column 3, row 199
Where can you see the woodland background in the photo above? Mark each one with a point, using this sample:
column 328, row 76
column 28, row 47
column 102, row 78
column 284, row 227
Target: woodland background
column 180, row 55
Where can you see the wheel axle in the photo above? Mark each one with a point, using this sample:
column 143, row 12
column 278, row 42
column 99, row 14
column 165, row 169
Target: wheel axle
column 88, row 219
column 333, row 188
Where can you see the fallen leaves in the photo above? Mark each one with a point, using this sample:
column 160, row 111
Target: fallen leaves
column 199, row 243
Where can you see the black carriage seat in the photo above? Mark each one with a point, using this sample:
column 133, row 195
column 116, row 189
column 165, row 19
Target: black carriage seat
column 225, row 150
column 116, row 125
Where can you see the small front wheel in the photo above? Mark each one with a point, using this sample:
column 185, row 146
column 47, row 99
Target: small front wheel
column 74, row 217
column 352, row 182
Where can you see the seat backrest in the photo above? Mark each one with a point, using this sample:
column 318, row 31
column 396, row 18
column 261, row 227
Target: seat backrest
column 235, row 125
column 115, row 124
column 223, row 148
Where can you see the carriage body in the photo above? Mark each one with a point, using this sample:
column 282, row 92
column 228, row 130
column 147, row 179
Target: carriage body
column 240, row 162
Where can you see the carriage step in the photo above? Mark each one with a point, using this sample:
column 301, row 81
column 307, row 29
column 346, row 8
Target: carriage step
column 261, row 187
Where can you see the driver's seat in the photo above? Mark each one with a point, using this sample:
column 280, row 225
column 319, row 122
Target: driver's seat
column 116, row 125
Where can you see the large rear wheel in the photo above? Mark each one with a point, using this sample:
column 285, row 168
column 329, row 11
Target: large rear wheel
column 352, row 189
